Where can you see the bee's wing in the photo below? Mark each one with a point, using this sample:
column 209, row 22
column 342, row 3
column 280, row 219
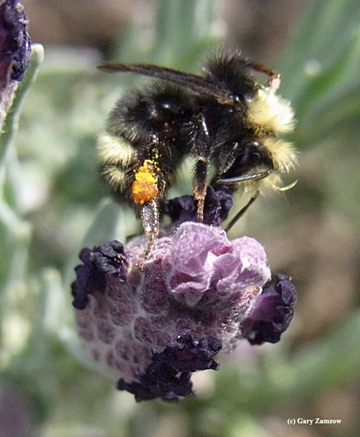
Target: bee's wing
column 196, row 83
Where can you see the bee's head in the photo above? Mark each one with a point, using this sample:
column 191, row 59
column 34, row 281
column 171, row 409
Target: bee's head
column 241, row 163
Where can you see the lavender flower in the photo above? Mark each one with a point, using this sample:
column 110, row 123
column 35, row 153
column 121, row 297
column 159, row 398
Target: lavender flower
column 153, row 324
column 15, row 51
column 271, row 313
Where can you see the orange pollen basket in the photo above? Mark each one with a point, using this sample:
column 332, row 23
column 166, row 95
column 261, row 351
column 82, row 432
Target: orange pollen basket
column 144, row 188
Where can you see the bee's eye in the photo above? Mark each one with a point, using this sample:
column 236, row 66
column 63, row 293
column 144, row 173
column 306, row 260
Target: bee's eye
column 250, row 157
column 247, row 160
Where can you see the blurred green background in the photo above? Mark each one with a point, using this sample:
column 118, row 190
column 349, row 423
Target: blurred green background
column 53, row 204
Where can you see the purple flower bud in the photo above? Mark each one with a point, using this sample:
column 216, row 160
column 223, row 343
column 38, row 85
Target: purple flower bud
column 271, row 312
column 168, row 376
column 109, row 258
column 218, row 203
column 153, row 323
column 15, row 48
column 15, row 42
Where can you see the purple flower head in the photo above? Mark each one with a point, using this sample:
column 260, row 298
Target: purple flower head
column 15, row 42
column 152, row 324
column 15, row 51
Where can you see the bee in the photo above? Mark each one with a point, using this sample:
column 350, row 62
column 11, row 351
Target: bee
column 227, row 119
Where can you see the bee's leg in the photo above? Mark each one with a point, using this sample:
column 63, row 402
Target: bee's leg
column 241, row 212
column 150, row 216
column 201, row 150
column 145, row 193
column 200, row 186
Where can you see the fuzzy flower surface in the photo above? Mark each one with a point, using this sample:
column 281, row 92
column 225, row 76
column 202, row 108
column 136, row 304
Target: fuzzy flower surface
column 153, row 324
column 15, row 49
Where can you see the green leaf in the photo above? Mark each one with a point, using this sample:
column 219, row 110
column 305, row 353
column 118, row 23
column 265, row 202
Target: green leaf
column 182, row 31
column 332, row 361
column 320, row 69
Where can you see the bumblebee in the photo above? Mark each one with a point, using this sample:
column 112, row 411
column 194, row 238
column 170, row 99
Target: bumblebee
column 227, row 118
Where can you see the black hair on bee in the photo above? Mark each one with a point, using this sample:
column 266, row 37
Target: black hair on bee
column 225, row 117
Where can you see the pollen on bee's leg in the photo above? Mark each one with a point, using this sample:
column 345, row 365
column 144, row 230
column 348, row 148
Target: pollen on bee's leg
column 150, row 217
column 144, row 187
